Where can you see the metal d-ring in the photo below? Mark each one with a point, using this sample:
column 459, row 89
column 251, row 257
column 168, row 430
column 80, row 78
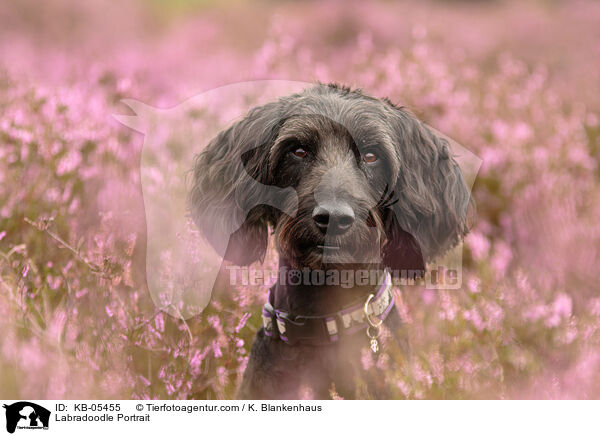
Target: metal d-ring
column 372, row 335
column 371, row 323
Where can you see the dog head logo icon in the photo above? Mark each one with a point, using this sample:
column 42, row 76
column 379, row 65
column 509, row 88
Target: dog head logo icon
column 26, row 415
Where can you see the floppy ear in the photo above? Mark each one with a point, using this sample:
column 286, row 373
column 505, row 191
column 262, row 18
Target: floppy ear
column 402, row 253
column 431, row 196
column 229, row 194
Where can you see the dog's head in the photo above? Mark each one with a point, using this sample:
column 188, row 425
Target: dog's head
column 371, row 181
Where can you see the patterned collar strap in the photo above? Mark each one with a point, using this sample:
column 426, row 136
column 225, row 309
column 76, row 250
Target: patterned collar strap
column 326, row 329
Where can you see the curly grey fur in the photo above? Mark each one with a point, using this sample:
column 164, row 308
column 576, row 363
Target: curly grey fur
column 428, row 195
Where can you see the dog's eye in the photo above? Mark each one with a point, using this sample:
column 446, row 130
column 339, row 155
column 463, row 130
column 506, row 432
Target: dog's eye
column 370, row 157
column 300, row 152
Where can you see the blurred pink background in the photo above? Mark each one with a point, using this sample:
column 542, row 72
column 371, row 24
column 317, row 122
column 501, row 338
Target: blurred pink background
column 518, row 83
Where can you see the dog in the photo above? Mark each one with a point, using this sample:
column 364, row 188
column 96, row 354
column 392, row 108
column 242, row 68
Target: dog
column 375, row 192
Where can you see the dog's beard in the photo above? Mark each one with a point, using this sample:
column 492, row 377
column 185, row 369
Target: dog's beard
column 304, row 246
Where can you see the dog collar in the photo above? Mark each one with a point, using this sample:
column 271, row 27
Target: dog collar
column 326, row 329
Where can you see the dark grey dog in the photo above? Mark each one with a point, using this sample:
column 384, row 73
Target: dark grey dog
column 376, row 190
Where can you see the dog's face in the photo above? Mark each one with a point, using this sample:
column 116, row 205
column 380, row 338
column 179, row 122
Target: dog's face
column 341, row 177
column 372, row 183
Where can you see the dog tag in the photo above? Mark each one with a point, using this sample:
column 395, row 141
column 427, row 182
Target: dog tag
column 372, row 327
column 374, row 346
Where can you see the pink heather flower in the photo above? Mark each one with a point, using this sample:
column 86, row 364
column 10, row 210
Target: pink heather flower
column 449, row 309
column 159, row 322
column 475, row 318
column 169, row 387
column 242, row 322
column 366, row 359
column 560, row 309
column 215, row 322
column 335, row 395
column 54, row 282
column 2, row 235
column 474, row 285
column 222, row 375
column 436, row 365
column 404, row 387
column 536, row 312
column 421, row 374
column 428, row 296
column 383, row 362
column 479, row 245
column 144, row 380
column 81, row 293
column 500, row 130
column 494, row 315
column 522, row 132
column 69, row 163
column 501, row 258
column 402, row 307
column 306, row 393
column 569, row 334
column 594, row 306
column 563, row 305
column 196, row 360
column 216, row 349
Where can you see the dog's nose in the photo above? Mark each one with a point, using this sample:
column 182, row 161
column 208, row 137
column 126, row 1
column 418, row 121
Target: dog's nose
column 333, row 218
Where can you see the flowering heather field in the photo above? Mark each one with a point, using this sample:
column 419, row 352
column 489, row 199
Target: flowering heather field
column 518, row 84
